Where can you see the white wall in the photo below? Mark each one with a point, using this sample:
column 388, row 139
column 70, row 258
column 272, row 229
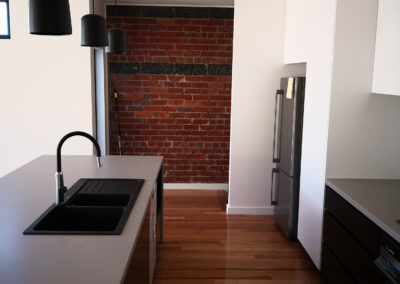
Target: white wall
column 45, row 90
column 364, row 132
column 387, row 55
column 297, row 32
column 257, row 67
column 310, row 27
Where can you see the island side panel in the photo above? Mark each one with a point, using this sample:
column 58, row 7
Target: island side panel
column 160, row 203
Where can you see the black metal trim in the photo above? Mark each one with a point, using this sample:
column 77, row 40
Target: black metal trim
column 170, row 12
column 8, row 21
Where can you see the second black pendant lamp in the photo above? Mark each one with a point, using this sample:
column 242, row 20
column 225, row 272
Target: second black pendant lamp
column 116, row 38
column 49, row 17
column 93, row 30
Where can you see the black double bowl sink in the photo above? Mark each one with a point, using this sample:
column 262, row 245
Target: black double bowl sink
column 92, row 207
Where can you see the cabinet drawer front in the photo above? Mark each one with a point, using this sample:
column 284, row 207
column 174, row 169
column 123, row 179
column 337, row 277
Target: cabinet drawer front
column 361, row 228
column 355, row 258
column 332, row 269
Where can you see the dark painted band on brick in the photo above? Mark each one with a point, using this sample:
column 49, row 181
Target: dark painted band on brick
column 169, row 12
column 190, row 69
column 156, row 68
column 124, row 68
column 220, row 69
column 170, row 68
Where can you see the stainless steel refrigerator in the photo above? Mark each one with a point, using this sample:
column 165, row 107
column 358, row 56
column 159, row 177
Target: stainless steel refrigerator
column 288, row 128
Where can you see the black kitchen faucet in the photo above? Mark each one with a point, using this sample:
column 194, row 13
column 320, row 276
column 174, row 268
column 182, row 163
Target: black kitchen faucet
column 60, row 188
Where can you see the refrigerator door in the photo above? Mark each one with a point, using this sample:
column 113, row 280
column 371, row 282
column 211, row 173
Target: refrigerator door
column 287, row 205
column 291, row 125
column 277, row 126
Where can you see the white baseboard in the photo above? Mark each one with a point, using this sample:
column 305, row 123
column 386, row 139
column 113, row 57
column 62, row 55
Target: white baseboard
column 206, row 186
column 249, row 210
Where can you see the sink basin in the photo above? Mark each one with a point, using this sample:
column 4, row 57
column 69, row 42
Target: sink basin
column 101, row 199
column 92, row 207
column 80, row 219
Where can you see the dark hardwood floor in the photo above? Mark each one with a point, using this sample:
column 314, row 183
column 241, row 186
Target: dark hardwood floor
column 204, row 245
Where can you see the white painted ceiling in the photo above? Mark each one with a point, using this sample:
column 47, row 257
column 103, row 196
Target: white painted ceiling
column 187, row 3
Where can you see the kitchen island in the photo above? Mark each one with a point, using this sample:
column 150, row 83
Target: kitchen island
column 28, row 191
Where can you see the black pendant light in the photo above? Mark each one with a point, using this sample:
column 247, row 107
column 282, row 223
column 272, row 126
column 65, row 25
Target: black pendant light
column 116, row 38
column 49, row 17
column 93, row 30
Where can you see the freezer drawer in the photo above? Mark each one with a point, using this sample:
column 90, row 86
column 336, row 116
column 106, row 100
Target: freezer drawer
column 285, row 192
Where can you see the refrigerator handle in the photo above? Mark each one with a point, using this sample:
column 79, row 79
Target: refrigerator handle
column 274, row 186
column 277, row 126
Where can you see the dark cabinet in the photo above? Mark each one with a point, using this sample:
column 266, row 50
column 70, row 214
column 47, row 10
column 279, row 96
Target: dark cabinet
column 144, row 257
column 139, row 269
column 353, row 221
column 332, row 269
column 351, row 243
column 354, row 257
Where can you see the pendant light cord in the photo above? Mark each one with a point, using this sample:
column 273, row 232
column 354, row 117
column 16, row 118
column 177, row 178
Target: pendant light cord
column 115, row 8
column 93, row 6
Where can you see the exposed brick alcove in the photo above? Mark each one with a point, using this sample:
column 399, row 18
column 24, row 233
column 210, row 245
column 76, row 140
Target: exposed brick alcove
column 174, row 88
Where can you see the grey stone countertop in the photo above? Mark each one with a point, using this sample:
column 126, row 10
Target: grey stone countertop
column 378, row 199
column 28, row 191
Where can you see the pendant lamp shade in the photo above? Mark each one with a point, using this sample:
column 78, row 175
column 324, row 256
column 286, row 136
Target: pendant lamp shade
column 117, row 41
column 49, row 17
column 93, row 31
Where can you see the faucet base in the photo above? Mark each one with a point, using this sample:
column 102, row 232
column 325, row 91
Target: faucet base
column 60, row 188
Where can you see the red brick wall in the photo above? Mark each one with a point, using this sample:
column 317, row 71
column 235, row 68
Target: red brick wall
column 174, row 89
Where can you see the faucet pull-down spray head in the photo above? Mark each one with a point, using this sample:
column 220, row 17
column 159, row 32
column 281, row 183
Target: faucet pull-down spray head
column 99, row 164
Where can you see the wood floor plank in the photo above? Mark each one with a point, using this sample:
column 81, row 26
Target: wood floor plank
column 203, row 245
